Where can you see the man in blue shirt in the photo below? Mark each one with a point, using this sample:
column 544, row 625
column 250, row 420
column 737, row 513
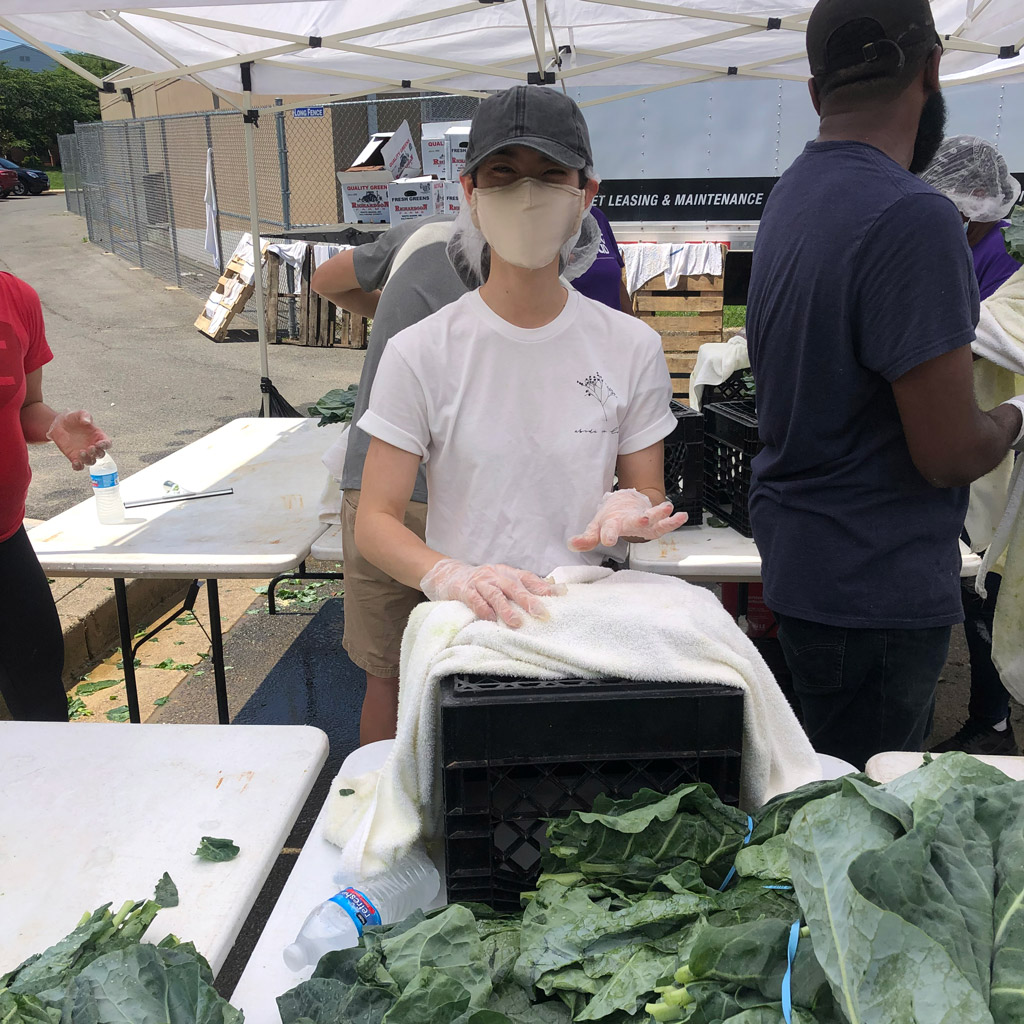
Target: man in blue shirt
column 862, row 308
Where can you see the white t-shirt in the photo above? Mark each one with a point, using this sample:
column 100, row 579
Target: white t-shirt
column 519, row 427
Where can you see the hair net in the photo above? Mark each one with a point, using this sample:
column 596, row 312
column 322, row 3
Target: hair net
column 971, row 172
column 470, row 255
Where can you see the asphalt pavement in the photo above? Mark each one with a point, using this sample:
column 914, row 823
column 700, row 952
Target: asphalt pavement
column 125, row 348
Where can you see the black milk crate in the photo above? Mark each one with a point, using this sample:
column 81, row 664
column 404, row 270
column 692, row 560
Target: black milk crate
column 733, row 388
column 730, row 444
column 684, row 463
column 515, row 752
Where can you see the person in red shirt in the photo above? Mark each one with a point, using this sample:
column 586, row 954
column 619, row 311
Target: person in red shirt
column 31, row 641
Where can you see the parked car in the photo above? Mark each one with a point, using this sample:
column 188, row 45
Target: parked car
column 29, row 182
column 8, row 182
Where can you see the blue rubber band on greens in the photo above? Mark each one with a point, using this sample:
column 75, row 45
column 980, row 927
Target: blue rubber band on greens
column 787, row 981
column 746, row 839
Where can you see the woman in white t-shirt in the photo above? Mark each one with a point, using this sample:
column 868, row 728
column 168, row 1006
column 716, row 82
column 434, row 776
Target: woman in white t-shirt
column 524, row 399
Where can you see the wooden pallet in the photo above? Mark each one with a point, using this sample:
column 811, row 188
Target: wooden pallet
column 321, row 323
column 682, row 336
column 228, row 298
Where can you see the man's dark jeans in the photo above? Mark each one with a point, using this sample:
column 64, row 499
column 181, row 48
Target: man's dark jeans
column 862, row 691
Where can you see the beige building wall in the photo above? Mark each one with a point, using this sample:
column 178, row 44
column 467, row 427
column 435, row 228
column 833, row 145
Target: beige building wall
column 310, row 148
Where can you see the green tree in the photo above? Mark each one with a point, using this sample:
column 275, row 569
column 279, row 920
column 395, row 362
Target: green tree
column 37, row 106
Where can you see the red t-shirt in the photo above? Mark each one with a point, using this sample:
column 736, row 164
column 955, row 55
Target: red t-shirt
column 23, row 349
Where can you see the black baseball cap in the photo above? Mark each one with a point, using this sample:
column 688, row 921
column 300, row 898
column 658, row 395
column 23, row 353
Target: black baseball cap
column 867, row 39
column 530, row 115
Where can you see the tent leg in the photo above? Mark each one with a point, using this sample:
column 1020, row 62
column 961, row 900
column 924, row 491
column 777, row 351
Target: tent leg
column 254, row 218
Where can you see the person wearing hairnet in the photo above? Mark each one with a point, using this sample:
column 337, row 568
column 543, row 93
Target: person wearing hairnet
column 523, row 398
column 971, row 172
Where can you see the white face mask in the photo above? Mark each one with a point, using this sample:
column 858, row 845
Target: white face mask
column 528, row 222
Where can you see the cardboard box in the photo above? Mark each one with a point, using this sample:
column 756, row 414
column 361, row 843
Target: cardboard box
column 410, row 199
column 456, row 141
column 364, row 196
column 434, row 146
column 371, row 152
column 451, row 199
column 399, row 153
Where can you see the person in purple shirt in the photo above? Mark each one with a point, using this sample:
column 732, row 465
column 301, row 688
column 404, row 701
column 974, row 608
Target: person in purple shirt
column 971, row 173
column 603, row 279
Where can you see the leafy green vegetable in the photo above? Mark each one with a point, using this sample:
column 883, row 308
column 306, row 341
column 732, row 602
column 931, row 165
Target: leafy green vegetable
column 161, row 701
column 211, row 848
column 119, row 714
column 175, row 666
column 84, row 689
column 1013, row 234
column 76, row 709
column 336, row 406
column 166, row 892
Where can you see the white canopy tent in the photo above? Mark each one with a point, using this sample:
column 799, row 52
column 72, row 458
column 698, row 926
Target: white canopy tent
column 345, row 48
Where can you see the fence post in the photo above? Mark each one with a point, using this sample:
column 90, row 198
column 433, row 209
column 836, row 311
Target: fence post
column 213, row 172
column 286, row 215
column 170, row 202
column 132, row 195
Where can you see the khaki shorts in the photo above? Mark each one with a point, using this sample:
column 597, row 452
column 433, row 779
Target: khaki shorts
column 376, row 606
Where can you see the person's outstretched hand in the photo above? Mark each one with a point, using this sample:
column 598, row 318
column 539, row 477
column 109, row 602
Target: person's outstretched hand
column 627, row 513
column 493, row 592
column 75, row 434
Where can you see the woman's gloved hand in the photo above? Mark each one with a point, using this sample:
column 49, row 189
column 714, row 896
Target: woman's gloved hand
column 75, row 434
column 493, row 592
column 627, row 514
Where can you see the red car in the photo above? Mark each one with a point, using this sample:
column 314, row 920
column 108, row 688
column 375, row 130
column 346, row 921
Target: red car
column 8, row 179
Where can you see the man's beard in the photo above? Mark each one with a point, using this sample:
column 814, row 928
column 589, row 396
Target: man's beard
column 931, row 130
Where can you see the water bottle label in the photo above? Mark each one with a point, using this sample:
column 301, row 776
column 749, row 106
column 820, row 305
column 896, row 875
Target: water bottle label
column 358, row 907
column 104, row 480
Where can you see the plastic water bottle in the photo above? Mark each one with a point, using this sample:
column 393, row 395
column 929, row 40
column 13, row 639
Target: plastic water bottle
column 109, row 506
column 338, row 922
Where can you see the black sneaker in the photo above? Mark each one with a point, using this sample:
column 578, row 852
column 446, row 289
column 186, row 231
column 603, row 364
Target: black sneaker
column 975, row 738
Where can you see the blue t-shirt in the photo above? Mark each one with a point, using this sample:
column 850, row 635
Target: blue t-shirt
column 861, row 272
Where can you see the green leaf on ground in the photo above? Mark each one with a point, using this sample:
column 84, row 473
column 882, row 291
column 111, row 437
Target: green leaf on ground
column 77, row 708
column 137, row 662
column 119, row 714
column 173, row 666
column 101, row 684
column 161, row 701
column 214, row 849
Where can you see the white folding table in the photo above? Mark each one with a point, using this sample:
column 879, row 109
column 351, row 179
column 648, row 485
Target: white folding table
column 310, row 883
column 93, row 814
column 708, row 554
column 265, row 528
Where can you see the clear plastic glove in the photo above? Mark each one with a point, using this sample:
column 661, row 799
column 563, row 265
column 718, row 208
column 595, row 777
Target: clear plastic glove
column 493, row 592
column 627, row 513
column 75, row 434
column 1018, row 403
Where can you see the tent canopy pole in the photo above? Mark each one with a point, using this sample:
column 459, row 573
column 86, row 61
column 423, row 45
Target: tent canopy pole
column 254, row 228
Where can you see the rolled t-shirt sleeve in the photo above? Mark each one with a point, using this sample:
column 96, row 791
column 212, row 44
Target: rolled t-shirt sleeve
column 917, row 294
column 397, row 413
column 648, row 419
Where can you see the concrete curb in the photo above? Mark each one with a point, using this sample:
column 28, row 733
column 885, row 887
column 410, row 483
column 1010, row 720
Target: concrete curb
column 88, row 616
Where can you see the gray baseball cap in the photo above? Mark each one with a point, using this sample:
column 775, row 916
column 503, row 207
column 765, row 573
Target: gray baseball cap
column 530, row 115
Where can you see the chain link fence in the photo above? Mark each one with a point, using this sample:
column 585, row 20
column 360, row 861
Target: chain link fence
column 142, row 185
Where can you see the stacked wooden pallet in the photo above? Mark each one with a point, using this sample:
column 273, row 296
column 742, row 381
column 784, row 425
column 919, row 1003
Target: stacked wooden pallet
column 321, row 323
column 686, row 317
column 233, row 291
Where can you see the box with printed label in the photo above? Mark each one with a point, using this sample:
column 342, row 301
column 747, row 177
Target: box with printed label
column 451, row 201
column 399, row 153
column 434, row 146
column 364, row 196
column 410, row 199
column 456, row 141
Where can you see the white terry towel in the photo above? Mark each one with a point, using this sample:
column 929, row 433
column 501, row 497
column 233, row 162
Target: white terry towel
column 644, row 260
column 693, row 259
column 628, row 624
column 717, row 361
